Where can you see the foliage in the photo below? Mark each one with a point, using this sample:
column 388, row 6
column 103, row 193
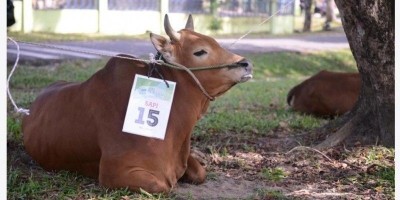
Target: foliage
column 269, row 194
column 13, row 128
column 215, row 24
column 273, row 174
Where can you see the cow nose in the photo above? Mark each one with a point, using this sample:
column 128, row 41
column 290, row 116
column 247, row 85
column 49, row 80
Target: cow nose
column 247, row 65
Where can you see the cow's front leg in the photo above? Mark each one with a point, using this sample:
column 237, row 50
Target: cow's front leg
column 195, row 173
column 116, row 173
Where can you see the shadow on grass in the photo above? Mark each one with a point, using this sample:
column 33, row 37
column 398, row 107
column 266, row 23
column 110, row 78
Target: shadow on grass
column 295, row 65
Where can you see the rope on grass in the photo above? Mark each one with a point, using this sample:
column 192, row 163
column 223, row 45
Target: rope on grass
column 17, row 109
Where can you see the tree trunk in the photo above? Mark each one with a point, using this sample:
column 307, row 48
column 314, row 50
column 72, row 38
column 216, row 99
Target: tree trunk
column 307, row 15
column 369, row 27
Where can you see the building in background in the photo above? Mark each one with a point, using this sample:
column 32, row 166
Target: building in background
column 130, row 17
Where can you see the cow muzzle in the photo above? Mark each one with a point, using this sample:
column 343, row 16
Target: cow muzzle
column 248, row 70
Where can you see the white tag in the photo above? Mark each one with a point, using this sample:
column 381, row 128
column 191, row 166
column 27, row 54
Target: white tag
column 149, row 107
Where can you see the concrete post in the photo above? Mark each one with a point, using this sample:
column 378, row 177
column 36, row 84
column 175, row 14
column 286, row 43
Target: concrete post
column 164, row 9
column 297, row 10
column 274, row 8
column 27, row 16
column 102, row 14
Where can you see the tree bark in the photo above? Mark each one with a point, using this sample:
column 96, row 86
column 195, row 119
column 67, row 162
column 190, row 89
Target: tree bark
column 369, row 27
column 307, row 15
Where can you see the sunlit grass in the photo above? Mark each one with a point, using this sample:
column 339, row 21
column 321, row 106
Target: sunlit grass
column 273, row 174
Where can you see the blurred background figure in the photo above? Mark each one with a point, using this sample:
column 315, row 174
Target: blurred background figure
column 330, row 14
column 10, row 13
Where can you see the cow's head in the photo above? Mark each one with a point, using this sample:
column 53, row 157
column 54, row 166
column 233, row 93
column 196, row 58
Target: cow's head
column 192, row 49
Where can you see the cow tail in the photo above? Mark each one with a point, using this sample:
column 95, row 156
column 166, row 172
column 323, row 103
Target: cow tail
column 290, row 96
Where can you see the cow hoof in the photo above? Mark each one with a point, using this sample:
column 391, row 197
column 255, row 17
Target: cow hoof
column 135, row 181
column 193, row 180
column 194, row 177
column 148, row 182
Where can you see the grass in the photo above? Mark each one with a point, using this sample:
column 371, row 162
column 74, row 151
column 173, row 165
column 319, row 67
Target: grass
column 274, row 75
column 14, row 128
column 269, row 194
column 317, row 23
column 380, row 174
column 63, row 185
column 273, row 174
column 249, row 110
column 295, row 65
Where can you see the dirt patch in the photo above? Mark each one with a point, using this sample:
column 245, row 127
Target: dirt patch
column 220, row 186
column 276, row 168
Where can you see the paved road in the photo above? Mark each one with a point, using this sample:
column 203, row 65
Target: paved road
column 141, row 48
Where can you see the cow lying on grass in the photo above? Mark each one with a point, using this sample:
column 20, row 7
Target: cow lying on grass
column 78, row 126
column 326, row 94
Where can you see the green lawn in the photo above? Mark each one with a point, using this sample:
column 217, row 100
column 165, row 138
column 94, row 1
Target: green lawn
column 250, row 110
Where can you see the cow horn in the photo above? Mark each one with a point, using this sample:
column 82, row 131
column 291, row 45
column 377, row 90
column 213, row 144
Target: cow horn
column 189, row 23
column 173, row 35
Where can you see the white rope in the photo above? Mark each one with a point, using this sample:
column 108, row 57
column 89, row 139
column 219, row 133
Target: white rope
column 151, row 61
column 17, row 109
column 152, row 58
column 81, row 51
column 254, row 27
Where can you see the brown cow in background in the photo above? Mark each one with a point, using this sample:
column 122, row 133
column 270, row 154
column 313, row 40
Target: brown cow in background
column 78, row 126
column 326, row 94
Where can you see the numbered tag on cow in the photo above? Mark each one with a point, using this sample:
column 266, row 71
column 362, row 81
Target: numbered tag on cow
column 149, row 107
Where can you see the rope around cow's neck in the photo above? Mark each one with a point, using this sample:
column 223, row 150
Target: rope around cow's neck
column 160, row 62
column 188, row 70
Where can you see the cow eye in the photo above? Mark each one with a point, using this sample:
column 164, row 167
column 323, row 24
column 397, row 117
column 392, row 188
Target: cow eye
column 200, row 53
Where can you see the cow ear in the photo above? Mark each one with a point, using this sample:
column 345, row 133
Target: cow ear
column 162, row 45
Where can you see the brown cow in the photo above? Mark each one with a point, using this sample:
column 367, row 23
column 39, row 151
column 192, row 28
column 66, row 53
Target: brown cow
column 78, row 126
column 326, row 94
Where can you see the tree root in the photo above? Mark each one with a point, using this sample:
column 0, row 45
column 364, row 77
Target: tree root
column 364, row 169
column 338, row 137
column 311, row 149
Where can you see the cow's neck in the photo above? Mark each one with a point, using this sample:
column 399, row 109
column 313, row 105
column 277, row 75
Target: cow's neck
column 188, row 106
column 189, row 103
column 187, row 93
column 192, row 89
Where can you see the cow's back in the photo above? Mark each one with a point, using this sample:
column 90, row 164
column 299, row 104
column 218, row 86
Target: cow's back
column 70, row 124
column 52, row 139
column 326, row 94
